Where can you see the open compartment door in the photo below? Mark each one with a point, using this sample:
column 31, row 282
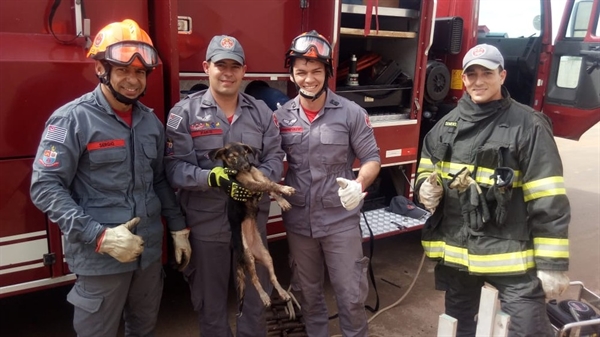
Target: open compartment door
column 573, row 88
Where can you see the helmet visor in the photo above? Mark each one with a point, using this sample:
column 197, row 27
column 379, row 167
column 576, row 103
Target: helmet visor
column 124, row 53
column 305, row 43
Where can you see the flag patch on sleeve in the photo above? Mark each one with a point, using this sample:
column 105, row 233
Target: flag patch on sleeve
column 173, row 121
column 56, row 134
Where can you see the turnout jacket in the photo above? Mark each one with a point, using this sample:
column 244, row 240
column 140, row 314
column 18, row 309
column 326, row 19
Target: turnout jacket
column 319, row 152
column 93, row 171
column 481, row 137
column 195, row 127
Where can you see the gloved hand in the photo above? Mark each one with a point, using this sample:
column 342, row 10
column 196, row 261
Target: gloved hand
column 472, row 202
column 183, row 250
column 501, row 191
column 554, row 282
column 219, row 177
column 120, row 243
column 431, row 192
column 350, row 193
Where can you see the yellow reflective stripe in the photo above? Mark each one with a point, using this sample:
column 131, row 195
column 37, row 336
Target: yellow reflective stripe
column 433, row 249
column 546, row 187
column 483, row 264
column 551, row 247
column 425, row 164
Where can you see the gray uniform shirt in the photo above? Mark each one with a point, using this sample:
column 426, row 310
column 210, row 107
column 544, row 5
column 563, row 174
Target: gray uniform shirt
column 196, row 126
column 93, row 171
column 319, row 152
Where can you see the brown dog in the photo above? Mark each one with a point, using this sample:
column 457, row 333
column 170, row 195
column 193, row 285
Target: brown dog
column 235, row 156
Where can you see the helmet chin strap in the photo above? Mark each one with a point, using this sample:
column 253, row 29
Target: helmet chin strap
column 104, row 79
column 309, row 95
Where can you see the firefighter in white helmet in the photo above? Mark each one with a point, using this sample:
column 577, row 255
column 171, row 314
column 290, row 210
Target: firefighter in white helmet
column 322, row 134
column 99, row 175
column 491, row 173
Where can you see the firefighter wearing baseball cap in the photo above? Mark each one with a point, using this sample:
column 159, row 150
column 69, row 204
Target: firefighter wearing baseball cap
column 491, row 174
column 99, row 175
column 322, row 134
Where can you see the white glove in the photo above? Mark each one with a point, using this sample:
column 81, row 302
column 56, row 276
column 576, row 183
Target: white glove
column 182, row 248
column 554, row 282
column 350, row 193
column 120, row 243
column 431, row 192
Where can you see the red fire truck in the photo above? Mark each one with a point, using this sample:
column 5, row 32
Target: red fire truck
column 408, row 55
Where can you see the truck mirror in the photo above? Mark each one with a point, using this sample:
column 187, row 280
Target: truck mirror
column 537, row 22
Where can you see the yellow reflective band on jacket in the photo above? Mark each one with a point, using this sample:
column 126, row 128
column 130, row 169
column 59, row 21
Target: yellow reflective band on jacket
column 546, row 187
column 504, row 263
column 446, row 169
column 551, row 248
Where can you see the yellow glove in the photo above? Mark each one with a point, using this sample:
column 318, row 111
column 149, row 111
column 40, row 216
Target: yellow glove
column 220, row 177
column 183, row 250
column 120, row 243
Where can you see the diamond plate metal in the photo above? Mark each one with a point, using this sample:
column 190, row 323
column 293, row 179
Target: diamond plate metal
column 385, row 223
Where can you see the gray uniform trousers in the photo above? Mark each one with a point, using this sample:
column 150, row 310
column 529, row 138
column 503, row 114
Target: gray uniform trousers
column 101, row 300
column 347, row 267
column 521, row 296
column 208, row 277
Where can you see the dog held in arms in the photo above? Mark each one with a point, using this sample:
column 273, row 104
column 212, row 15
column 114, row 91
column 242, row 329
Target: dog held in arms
column 242, row 218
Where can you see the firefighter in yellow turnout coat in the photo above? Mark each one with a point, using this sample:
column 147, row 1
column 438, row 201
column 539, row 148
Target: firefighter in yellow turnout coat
column 491, row 174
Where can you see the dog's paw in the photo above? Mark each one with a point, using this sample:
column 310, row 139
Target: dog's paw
column 284, row 204
column 287, row 190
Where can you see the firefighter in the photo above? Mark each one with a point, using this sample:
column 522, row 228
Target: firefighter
column 322, row 134
column 99, row 175
column 206, row 121
column 491, row 174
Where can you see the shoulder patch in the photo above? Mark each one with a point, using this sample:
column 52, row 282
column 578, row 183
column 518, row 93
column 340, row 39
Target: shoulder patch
column 368, row 121
column 173, row 121
column 49, row 158
column 275, row 121
column 56, row 133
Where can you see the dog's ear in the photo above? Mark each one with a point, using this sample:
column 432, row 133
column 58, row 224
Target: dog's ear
column 217, row 154
column 248, row 149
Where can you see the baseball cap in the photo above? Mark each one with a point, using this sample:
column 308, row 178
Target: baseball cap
column 223, row 47
column 401, row 205
column 484, row 55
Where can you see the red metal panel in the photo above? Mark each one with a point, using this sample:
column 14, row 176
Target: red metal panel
column 397, row 144
column 265, row 29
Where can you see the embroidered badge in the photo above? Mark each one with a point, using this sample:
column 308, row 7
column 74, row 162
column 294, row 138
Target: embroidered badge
column 290, row 121
column 211, row 128
column 173, row 121
column 275, row 121
column 169, row 151
column 368, row 121
column 196, row 126
column 451, row 124
column 291, row 129
column 227, row 43
column 106, row 144
column 56, row 134
column 49, row 158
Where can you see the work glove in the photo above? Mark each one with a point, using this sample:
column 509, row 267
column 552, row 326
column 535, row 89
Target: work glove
column 501, row 191
column 554, row 282
column 220, row 177
column 431, row 192
column 350, row 193
column 183, row 250
column 120, row 243
column 472, row 202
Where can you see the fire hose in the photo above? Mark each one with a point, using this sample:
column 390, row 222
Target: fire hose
column 362, row 63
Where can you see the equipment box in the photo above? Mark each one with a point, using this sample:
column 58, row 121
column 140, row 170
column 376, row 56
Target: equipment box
column 578, row 315
column 373, row 96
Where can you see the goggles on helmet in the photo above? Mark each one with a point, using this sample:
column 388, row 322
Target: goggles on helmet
column 311, row 46
column 124, row 53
